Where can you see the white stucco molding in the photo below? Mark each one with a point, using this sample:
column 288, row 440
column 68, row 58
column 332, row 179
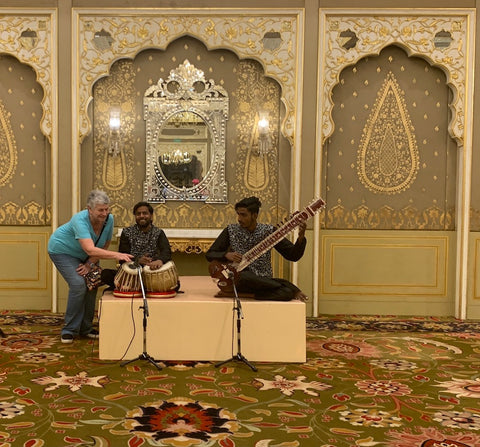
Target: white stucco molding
column 415, row 31
column 239, row 30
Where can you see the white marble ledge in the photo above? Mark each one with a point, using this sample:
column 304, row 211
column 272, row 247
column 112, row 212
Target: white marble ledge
column 187, row 233
column 192, row 233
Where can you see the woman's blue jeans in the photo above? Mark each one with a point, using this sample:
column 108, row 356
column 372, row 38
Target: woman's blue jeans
column 81, row 302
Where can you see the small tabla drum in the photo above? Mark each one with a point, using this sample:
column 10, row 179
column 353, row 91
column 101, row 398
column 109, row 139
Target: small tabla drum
column 127, row 282
column 161, row 283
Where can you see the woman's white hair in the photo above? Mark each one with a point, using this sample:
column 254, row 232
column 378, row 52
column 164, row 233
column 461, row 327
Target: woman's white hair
column 97, row 197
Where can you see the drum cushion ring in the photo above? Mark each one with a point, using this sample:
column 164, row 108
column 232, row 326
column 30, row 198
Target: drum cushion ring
column 127, row 294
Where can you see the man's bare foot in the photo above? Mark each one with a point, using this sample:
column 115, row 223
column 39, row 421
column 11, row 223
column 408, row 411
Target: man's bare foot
column 300, row 296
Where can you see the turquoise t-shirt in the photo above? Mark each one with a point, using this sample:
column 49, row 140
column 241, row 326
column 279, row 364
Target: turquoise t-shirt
column 65, row 238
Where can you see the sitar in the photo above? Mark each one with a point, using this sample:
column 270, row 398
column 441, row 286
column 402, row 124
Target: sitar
column 226, row 274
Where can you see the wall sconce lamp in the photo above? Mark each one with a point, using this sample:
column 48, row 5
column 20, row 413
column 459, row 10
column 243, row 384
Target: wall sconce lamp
column 114, row 133
column 263, row 136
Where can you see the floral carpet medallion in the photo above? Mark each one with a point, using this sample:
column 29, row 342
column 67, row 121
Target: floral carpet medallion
column 367, row 382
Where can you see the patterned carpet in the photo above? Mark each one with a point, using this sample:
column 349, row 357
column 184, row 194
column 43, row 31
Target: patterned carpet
column 391, row 324
column 368, row 381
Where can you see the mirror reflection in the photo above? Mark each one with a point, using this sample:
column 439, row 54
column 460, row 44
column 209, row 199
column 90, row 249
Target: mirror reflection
column 184, row 149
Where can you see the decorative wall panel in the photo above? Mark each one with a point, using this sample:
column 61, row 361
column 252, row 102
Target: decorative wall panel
column 396, row 265
column 25, row 281
column 374, row 271
column 445, row 39
column 474, row 274
column 24, row 149
column 27, row 108
column 475, row 268
column 248, row 172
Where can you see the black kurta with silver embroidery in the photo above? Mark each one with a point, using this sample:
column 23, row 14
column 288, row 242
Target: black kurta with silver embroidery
column 153, row 243
column 236, row 238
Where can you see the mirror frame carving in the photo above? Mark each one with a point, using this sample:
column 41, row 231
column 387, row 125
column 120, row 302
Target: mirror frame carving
column 161, row 102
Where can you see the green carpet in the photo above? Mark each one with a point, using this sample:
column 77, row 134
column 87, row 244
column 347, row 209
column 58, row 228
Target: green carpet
column 367, row 382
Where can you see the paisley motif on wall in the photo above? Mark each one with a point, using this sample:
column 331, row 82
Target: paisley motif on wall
column 8, row 148
column 255, row 173
column 388, row 158
column 114, row 171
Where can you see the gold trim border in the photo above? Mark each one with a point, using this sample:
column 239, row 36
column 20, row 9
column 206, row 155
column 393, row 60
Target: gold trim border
column 190, row 246
column 38, row 239
column 329, row 241
column 476, row 268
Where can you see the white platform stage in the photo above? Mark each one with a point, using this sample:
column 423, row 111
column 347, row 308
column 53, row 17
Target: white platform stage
column 196, row 325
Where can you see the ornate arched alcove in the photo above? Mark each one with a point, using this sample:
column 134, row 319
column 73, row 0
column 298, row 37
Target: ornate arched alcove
column 272, row 38
column 29, row 153
column 28, row 116
column 127, row 89
column 390, row 164
column 445, row 40
column 29, row 38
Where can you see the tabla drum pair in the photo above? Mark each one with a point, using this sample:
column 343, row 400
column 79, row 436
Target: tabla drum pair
column 159, row 283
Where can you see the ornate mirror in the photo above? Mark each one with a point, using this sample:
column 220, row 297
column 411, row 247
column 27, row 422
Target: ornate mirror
column 185, row 138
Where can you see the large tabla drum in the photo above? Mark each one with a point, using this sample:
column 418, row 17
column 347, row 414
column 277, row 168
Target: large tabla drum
column 127, row 282
column 161, row 283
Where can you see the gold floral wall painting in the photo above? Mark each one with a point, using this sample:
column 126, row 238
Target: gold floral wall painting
column 115, row 157
column 390, row 163
column 259, row 174
column 120, row 168
column 388, row 155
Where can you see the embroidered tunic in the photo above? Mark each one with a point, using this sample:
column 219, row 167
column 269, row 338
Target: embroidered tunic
column 153, row 243
column 236, row 238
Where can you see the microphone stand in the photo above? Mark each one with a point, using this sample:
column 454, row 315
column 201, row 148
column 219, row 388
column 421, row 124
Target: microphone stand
column 237, row 305
column 144, row 355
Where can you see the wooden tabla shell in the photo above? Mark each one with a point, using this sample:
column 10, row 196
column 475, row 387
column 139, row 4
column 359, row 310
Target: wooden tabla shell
column 127, row 282
column 160, row 283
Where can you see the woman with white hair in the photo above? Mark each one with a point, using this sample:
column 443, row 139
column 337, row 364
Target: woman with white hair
column 75, row 248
